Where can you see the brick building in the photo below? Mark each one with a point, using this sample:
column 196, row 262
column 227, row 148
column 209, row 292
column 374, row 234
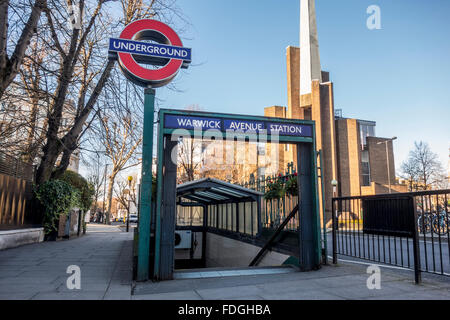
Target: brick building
column 352, row 154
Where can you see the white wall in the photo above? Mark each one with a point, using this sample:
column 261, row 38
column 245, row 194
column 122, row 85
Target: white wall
column 225, row 252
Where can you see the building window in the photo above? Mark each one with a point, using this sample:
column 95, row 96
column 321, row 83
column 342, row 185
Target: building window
column 367, row 129
column 365, row 168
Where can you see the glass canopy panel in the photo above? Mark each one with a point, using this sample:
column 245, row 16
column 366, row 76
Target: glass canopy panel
column 211, row 195
column 191, row 196
column 231, row 192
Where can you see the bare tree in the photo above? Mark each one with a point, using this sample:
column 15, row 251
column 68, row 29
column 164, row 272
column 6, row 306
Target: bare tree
column 119, row 130
column 49, row 109
column 409, row 172
column 126, row 194
column 422, row 169
column 12, row 16
column 69, row 44
column 95, row 177
column 189, row 158
column 76, row 71
column 190, row 155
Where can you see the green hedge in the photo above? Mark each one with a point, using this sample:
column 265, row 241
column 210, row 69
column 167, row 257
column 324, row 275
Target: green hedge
column 85, row 188
column 57, row 197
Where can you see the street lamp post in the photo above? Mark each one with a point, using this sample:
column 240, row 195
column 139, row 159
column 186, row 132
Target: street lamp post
column 334, row 220
column 334, row 183
column 387, row 159
column 104, row 194
column 130, row 178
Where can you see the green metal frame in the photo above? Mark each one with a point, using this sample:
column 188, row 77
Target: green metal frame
column 144, row 232
column 145, row 201
column 324, row 227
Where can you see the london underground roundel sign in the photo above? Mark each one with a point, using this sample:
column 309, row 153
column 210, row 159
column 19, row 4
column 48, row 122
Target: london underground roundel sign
column 149, row 42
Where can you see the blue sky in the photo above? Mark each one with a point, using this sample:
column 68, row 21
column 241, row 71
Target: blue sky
column 396, row 76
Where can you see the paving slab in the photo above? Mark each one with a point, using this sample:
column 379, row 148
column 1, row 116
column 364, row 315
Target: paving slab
column 301, row 295
column 38, row 271
column 344, row 281
column 180, row 295
column 228, row 293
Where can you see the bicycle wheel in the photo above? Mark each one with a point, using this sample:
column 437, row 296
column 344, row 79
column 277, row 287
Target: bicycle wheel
column 440, row 224
column 424, row 224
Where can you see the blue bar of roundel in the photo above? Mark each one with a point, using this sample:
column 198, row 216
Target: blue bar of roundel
column 185, row 52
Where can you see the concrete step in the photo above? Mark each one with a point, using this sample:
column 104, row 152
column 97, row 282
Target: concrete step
column 230, row 272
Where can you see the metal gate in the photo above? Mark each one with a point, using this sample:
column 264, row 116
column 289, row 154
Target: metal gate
column 409, row 230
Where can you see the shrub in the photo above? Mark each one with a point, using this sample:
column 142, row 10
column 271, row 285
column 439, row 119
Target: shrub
column 85, row 188
column 281, row 186
column 292, row 185
column 274, row 189
column 57, row 197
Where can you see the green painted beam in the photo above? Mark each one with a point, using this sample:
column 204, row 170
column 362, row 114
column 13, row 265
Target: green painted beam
column 146, row 187
column 159, row 195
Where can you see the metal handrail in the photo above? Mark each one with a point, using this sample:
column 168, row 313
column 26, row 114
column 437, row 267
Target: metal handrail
column 399, row 194
column 272, row 239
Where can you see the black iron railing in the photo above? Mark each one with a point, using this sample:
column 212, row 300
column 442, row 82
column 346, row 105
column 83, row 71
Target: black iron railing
column 409, row 230
column 275, row 210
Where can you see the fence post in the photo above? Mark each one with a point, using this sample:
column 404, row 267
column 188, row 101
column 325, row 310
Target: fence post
column 333, row 224
column 80, row 214
column 416, row 247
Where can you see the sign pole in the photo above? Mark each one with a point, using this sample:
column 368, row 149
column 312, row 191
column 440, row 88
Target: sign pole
column 131, row 52
column 146, row 187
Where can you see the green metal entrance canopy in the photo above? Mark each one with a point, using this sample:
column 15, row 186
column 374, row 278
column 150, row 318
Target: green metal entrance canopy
column 214, row 191
column 214, row 194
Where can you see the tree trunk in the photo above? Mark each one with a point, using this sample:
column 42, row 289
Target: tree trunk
column 51, row 152
column 54, row 144
column 72, row 137
column 112, row 178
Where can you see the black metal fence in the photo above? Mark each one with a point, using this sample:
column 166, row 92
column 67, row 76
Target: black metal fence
column 275, row 210
column 16, row 168
column 409, row 230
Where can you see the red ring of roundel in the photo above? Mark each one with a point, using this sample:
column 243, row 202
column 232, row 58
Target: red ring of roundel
column 134, row 68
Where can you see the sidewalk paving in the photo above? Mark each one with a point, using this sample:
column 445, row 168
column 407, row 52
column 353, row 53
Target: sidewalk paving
column 38, row 271
column 342, row 282
column 104, row 255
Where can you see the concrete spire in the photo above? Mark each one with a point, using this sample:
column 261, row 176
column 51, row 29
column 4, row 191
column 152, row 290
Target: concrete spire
column 309, row 47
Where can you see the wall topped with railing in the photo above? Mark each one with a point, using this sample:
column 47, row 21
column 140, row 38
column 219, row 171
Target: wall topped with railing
column 16, row 168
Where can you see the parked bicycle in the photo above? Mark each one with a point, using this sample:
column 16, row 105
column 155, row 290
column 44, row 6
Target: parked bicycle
column 440, row 221
column 428, row 222
column 424, row 222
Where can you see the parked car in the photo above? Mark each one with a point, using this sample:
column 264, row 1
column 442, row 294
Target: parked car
column 133, row 218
